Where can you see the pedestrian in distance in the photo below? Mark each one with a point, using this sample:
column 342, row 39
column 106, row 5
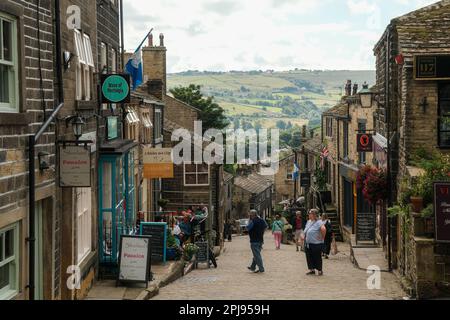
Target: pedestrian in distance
column 297, row 228
column 256, row 229
column 315, row 232
column 277, row 231
column 328, row 236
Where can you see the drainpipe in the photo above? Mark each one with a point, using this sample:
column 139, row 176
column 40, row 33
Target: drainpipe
column 388, row 133
column 122, row 37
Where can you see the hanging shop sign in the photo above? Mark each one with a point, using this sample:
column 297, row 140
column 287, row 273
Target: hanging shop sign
column 112, row 128
column 305, row 180
column 115, row 88
column 74, row 167
column 158, row 163
column 364, row 142
column 442, row 211
column 157, row 231
column 134, row 259
column 432, row 67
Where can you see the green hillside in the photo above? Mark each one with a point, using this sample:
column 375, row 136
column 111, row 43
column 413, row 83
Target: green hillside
column 267, row 97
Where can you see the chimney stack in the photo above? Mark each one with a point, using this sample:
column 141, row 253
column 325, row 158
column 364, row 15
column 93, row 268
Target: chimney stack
column 348, row 88
column 150, row 40
column 161, row 40
column 155, row 88
column 355, row 89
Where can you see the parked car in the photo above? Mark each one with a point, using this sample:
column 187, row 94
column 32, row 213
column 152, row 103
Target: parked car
column 243, row 223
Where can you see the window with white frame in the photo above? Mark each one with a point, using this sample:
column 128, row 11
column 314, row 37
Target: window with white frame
column 9, row 84
column 196, row 174
column 132, row 124
column 85, row 66
column 103, row 58
column 113, row 61
column 84, row 222
column 9, row 262
column 158, row 125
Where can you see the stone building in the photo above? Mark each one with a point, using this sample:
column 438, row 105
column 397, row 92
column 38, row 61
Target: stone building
column 283, row 179
column 252, row 191
column 412, row 111
column 26, row 98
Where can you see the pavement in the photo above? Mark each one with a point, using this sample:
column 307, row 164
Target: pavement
column 285, row 278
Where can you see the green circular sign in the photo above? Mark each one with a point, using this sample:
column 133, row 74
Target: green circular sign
column 115, row 88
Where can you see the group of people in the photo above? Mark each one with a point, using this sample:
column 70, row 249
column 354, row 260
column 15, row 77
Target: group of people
column 191, row 218
column 313, row 236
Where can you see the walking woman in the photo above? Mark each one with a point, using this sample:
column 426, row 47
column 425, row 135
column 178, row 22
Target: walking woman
column 328, row 236
column 277, row 231
column 315, row 232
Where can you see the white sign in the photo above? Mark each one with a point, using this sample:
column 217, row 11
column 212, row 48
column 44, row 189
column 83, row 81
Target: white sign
column 74, row 167
column 90, row 136
column 134, row 259
column 157, row 155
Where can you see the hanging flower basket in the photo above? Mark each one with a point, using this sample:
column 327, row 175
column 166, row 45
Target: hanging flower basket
column 362, row 176
column 375, row 186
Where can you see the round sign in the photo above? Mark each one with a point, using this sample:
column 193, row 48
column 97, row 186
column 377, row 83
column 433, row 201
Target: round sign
column 115, row 88
column 364, row 140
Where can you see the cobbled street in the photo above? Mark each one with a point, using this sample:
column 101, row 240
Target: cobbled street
column 285, row 278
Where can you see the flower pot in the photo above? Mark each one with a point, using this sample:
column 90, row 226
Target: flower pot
column 417, row 204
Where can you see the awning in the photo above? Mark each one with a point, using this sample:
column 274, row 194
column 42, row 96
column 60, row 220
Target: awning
column 146, row 120
column 132, row 116
column 380, row 141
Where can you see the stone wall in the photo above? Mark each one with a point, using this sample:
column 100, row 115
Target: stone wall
column 181, row 113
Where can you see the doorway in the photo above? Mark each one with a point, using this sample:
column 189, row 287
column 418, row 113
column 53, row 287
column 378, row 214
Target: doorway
column 39, row 253
column 348, row 204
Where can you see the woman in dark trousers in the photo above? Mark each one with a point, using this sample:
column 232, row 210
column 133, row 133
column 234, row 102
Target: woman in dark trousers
column 315, row 232
column 328, row 236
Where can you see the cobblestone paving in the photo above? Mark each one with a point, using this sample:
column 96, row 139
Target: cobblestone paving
column 285, row 278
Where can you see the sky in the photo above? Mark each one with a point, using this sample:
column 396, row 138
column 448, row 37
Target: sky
column 224, row 35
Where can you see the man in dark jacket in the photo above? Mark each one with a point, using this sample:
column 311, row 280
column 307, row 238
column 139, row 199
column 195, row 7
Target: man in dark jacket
column 256, row 229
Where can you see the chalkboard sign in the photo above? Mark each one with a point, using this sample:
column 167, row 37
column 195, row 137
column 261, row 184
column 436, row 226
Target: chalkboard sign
column 203, row 252
column 158, row 235
column 365, row 227
column 134, row 259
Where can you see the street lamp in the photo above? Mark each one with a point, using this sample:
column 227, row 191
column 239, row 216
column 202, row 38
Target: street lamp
column 366, row 96
column 77, row 127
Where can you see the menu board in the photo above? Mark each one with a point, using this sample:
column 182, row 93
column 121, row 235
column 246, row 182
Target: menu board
column 134, row 259
column 203, row 252
column 157, row 231
column 442, row 211
column 365, row 227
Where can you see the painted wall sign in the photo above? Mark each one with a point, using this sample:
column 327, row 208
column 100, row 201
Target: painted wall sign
column 158, row 236
column 158, row 163
column 74, row 167
column 432, row 67
column 364, row 142
column 112, row 127
column 442, row 211
column 115, row 88
column 134, row 259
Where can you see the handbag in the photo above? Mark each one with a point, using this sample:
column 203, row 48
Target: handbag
column 334, row 248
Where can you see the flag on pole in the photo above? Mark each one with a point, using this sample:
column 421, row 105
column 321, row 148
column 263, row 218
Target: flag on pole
column 134, row 65
column 296, row 173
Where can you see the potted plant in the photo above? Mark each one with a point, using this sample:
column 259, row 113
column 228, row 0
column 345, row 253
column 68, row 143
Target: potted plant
column 190, row 250
column 163, row 203
column 416, row 197
column 427, row 214
column 172, row 246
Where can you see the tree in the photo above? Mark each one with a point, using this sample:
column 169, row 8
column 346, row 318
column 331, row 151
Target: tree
column 281, row 125
column 212, row 115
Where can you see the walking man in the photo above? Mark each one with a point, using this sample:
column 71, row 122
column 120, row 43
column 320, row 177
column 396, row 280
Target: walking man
column 256, row 229
column 315, row 232
column 297, row 227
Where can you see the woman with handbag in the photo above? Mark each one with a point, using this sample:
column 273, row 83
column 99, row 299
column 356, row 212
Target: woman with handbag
column 315, row 232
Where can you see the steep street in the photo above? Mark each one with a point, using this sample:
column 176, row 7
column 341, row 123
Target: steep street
column 285, row 278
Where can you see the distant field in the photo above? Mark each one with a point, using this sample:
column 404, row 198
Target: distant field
column 241, row 93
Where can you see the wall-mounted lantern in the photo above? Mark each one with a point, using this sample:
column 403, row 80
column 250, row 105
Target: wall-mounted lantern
column 77, row 125
column 67, row 57
column 366, row 96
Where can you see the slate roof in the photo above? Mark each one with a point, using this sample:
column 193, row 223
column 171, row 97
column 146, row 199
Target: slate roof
column 314, row 145
column 423, row 31
column 339, row 110
column 227, row 176
column 253, row 183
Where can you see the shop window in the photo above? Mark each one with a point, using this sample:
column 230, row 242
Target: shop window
column 444, row 115
column 85, row 66
column 9, row 262
column 103, row 58
column 9, row 84
column 345, row 139
column 196, row 175
column 84, row 222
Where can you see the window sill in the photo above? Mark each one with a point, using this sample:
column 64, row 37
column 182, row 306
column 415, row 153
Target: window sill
column 9, row 295
column 86, row 105
column 13, row 119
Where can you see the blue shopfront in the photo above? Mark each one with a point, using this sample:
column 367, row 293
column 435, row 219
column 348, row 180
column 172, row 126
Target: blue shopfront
column 117, row 198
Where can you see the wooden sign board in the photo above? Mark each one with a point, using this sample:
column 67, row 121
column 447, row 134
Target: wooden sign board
column 134, row 259
column 432, row 67
column 158, row 236
column 74, row 167
column 158, row 163
column 442, row 211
